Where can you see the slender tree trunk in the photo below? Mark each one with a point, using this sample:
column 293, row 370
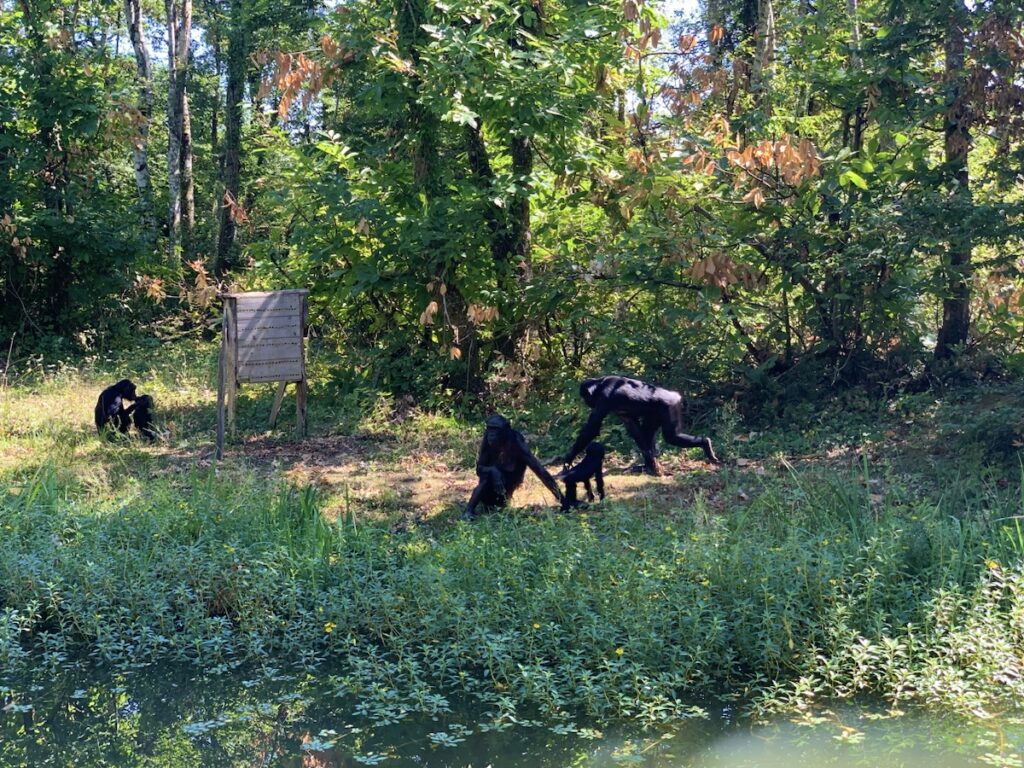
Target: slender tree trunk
column 232, row 154
column 140, row 154
column 956, row 317
column 181, row 204
column 425, row 128
column 188, row 196
column 762, row 65
column 853, row 122
column 173, row 132
column 188, row 204
column 514, row 250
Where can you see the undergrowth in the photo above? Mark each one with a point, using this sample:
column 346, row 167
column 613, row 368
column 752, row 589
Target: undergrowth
column 812, row 589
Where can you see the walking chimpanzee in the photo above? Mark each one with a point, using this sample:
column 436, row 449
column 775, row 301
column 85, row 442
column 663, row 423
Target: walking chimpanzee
column 592, row 466
column 501, row 466
column 644, row 409
column 110, row 408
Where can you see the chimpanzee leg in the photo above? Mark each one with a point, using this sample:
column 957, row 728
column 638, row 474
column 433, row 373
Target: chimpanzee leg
column 590, row 492
column 569, row 500
column 644, row 438
column 599, row 482
column 490, row 492
column 648, row 429
column 672, row 432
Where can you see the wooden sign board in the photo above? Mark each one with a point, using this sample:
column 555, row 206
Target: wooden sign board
column 262, row 342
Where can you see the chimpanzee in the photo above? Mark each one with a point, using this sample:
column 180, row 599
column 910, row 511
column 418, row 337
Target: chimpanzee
column 142, row 415
column 501, row 466
column 110, row 407
column 644, row 409
column 592, row 466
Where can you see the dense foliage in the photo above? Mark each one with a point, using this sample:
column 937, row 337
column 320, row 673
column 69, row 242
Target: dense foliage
column 483, row 193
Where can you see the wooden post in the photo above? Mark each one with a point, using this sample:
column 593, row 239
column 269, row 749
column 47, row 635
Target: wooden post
column 231, row 338
column 222, row 375
column 300, row 387
column 300, row 408
column 278, row 399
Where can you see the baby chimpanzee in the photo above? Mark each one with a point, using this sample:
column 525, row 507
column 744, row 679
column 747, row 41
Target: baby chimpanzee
column 110, row 407
column 592, row 466
column 142, row 415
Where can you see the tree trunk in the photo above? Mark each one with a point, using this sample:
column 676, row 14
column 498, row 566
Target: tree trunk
column 956, row 316
column 762, row 65
column 188, row 205
column 853, row 122
column 173, row 132
column 188, row 197
column 140, row 154
column 232, row 155
column 514, row 241
column 181, row 204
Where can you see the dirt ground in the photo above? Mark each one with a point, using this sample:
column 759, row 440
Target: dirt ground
column 382, row 481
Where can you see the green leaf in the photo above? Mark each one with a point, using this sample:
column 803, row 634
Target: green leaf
column 851, row 177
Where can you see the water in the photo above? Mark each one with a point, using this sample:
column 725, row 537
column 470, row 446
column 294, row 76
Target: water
column 172, row 717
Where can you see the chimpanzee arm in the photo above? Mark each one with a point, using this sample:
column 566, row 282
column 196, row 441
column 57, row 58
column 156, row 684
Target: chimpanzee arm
column 538, row 469
column 590, row 430
column 114, row 407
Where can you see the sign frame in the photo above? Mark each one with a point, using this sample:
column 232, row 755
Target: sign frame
column 262, row 341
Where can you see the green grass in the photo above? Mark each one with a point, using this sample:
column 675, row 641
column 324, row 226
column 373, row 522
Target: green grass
column 832, row 562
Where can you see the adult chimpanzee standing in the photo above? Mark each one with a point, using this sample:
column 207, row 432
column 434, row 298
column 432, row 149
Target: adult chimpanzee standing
column 110, row 407
column 644, row 409
column 501, row 466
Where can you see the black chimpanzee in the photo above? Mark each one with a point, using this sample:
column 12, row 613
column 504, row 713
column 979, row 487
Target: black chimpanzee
column 110, row 407
column 501, row 466
column 644, row 409
column 142, row 415
column 592, row 466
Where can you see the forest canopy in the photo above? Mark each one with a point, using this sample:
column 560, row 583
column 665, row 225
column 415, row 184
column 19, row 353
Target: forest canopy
column 487, row 190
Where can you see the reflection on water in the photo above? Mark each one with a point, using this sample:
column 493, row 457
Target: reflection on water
column 170, row 717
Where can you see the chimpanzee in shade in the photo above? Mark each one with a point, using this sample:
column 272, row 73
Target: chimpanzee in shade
column 644, row 409
column 501, row 466
column 142, row 416
column 110, row 408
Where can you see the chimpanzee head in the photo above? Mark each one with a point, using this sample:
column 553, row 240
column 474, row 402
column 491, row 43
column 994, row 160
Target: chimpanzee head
column 596, row 451
column 497, row 429
column 125, row 389
column 587, row 390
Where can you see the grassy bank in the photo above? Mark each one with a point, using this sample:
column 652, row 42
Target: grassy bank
column 879, row 556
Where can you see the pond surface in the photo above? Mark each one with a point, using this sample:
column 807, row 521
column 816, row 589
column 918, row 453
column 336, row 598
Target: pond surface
column 170, row 716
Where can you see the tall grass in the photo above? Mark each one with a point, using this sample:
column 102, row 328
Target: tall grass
column 814, row 588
